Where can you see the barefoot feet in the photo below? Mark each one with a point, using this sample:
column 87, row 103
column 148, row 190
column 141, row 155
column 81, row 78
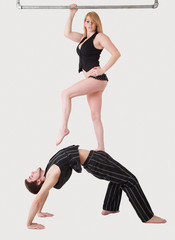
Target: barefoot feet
column 104, row 212
column 156, row 219
column 100, row 149
column 61, row 135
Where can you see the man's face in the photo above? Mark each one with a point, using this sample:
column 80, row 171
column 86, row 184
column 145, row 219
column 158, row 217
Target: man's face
column 34, row 176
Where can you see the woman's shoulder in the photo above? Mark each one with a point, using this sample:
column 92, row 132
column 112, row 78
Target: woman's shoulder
column 101, row 36
column 83, row 36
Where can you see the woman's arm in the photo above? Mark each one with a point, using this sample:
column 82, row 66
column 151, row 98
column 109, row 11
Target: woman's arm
column 105, row 42
column 74, row 36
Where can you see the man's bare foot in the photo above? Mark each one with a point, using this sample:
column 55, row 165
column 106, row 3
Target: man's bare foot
column 104, row 212
column 61, row 135
column 156, row 219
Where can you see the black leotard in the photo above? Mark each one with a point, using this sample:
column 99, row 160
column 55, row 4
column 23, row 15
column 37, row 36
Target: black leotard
column 88, row 54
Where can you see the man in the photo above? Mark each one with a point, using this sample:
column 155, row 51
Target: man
column 101, row 165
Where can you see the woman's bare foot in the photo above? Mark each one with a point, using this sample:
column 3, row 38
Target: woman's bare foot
column 104, row 212
column 61, row 135
column 100, row 149
column 156, row 219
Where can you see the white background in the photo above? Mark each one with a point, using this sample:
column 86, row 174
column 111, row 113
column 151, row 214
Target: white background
column 36, row 63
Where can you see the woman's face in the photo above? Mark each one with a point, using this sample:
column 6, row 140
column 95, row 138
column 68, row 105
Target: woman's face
column 90, row 25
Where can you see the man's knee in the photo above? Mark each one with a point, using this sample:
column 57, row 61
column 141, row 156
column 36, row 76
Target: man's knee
column 134, row 179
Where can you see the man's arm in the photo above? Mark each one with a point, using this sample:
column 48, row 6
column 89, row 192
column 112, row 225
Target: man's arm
column 51, row 179
column 44, row 214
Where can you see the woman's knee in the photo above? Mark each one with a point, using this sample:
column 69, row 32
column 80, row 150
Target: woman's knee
column 65, row 94
column 96, row 117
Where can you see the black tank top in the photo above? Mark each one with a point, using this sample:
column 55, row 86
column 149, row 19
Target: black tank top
column 88, row 54
column 66, row 159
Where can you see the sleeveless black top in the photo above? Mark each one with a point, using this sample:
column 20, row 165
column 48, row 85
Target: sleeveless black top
column 66, row 159
column 88, row 54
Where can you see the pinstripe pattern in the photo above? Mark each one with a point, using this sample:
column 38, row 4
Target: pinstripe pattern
column 66, row 159
column 103, row 166
column 113, row 197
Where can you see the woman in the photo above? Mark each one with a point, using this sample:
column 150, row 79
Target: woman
column 91, row 43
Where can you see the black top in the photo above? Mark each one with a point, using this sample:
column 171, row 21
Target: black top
column 66, row 159
column 88, row 54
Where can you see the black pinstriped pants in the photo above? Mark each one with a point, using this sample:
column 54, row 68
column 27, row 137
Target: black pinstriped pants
column 103, row 166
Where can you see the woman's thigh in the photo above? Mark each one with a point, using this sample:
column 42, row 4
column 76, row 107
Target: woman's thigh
column 95, row 102
column 85, row 87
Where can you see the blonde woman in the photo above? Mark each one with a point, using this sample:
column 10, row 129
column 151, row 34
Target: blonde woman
column 91, row 44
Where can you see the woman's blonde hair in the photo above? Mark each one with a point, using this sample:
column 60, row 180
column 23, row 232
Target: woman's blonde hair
column 96, row 19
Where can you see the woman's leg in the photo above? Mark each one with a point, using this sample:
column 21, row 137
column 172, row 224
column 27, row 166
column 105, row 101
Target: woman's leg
column 83, row 87
column 95, row 104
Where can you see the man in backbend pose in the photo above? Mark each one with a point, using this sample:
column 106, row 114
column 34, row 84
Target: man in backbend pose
column 101, row 165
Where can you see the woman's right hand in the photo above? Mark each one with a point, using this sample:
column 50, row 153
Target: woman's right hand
column 73, row 5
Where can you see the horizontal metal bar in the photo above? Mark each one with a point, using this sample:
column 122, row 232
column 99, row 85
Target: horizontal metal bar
column 155, row 5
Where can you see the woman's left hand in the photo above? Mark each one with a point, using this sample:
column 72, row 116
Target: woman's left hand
column 96, row 71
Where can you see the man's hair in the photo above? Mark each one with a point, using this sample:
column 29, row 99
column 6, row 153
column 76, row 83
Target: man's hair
column 33, row 187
